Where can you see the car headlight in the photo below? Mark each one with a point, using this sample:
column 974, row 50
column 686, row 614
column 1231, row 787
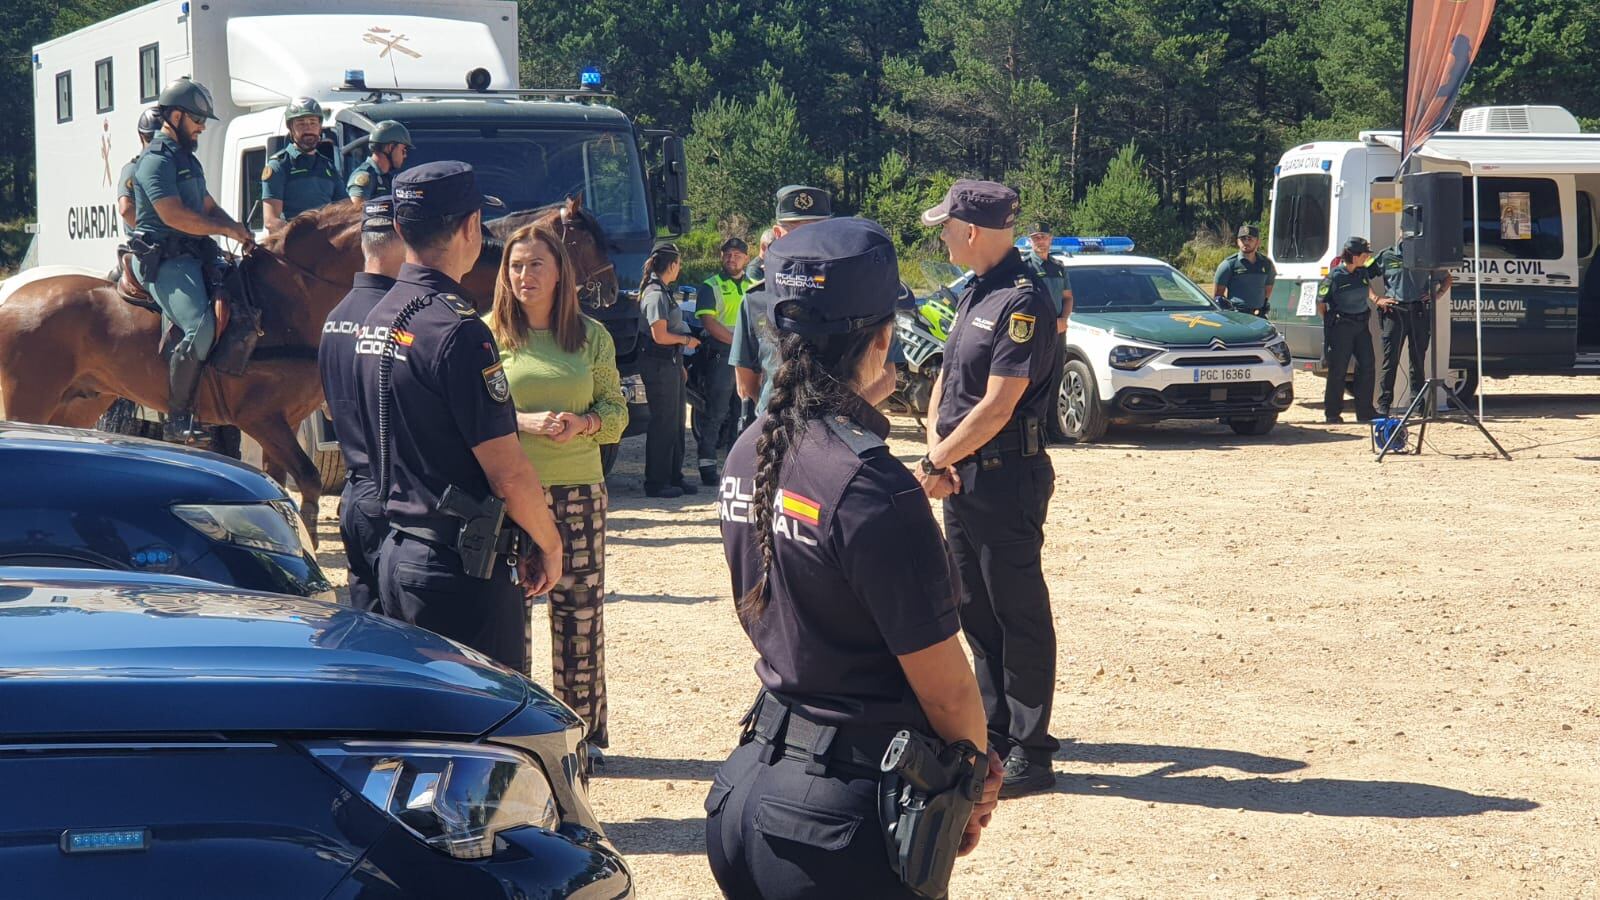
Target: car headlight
column 1129, row 357
column 273, row 527
column 454, row 797
column 1280, row 352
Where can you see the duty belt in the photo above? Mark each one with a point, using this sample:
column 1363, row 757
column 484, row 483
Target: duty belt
column 1022, row 435
column 845, row 750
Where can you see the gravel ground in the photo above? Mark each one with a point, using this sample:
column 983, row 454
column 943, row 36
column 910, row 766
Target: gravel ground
column 1284, row 670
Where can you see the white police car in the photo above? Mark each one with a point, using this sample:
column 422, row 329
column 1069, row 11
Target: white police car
column 1144, row 344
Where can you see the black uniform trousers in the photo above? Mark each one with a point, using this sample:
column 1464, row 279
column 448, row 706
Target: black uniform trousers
column 1346, row 336
column 995, row 527
column 1411, row 324
column 362, row 527
column 422, row 582
column 774, row 832
column 663, row 443
column 717, row 380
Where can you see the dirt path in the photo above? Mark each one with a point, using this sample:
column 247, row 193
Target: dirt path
column 1284, row 670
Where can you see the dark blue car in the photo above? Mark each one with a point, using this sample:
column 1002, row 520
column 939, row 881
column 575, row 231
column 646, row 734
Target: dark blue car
column 87, row 499
column 165, row 737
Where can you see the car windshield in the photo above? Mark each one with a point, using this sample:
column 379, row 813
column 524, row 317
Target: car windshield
column 1133, row 288
column 529, row 168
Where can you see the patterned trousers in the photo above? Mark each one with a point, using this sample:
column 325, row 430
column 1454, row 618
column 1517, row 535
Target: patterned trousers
column 577, row 625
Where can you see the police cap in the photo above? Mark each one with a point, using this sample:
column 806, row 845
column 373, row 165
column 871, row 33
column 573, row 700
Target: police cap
column 1357, row 246
column 734, row 243
column 377, row 215
column 800, row 203
column 986, row 204
column 1248, row 231
column 833, row 277
column 438, row 189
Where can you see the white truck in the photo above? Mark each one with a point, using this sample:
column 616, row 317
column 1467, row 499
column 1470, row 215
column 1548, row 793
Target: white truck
column 1535, row 177
column 446, row 69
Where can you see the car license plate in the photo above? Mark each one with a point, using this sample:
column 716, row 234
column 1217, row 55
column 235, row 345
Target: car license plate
column 1202, row 376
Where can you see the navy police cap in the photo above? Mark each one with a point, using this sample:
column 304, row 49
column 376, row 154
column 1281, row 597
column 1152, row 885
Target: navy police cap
column 377, row 214
column 833, row 277
column 986, row 204
column 438, row 189
column 802, row 203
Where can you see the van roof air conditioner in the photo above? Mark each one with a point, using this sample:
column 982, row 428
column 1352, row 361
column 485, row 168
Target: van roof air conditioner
column 1519, row 120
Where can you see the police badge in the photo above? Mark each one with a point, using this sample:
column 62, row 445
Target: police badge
column 1021, row 330
column 494, row 378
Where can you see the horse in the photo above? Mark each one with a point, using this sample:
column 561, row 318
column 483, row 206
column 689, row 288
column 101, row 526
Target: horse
column 69, row 345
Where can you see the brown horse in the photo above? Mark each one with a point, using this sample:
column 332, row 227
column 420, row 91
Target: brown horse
column 69, row 346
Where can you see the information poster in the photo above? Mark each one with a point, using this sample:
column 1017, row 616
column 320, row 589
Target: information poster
column 1516, row 216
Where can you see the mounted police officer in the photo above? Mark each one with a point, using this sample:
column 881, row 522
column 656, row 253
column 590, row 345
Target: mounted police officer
column 717, row 307
column 441, row 434
column 1246, row 277
column 174, row 219
column 986, row 460
column 299, row 177
column 845, row 588
column 1342, row 300
column 1405, row 316
column 361, row 522
column 149, row 124
column 387, row 148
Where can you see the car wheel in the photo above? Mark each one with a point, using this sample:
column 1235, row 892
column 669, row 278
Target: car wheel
column 1079, row 413
column 1256, row 425
column 608, row 457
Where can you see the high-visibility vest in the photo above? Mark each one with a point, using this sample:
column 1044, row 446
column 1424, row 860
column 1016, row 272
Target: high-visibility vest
column 729, row 297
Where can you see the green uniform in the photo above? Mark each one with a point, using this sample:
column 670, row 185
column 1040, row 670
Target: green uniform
column 1248, row 284
column 301, row 180
column 178, row 286
column 367, row 182
column 1053, row 274
column 125, row 185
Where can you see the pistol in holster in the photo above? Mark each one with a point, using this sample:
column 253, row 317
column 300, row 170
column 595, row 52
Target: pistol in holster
column 925, row 798
column 484, row 532
column 148, row 253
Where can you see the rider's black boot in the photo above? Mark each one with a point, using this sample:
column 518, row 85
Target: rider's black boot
column 183, row 377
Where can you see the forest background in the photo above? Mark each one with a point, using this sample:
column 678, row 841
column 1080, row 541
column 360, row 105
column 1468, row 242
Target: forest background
column 1158, row 119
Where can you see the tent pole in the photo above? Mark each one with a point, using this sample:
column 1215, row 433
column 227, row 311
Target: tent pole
column 1477, row 288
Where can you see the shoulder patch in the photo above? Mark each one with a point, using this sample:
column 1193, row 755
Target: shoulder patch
column 858, row 439
column 495, row 381
column 462, row 306
column 266, row 173
column 1021, row 329
column 362, row 179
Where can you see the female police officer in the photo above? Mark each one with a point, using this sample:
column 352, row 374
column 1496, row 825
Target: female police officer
column 1342, row 301
column 844, row 586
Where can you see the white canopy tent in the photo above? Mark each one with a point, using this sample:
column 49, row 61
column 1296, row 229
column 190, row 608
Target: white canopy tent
column 1497, row 155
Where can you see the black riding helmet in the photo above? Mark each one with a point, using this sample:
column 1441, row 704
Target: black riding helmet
column 150, row 121
column 189, row 96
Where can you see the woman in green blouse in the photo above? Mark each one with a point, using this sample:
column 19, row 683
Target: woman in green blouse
column 562, row 367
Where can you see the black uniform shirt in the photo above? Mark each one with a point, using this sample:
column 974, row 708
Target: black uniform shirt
column 449, row 395
column 1005, row 326
column 336, row 360
column 1345, row 289
column 860, row 573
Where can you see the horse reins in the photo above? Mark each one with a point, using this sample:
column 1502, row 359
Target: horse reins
column 592, row 286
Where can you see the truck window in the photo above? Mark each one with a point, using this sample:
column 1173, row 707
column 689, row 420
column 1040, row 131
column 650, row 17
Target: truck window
column 252, row 162
column 1519, row 218
column 102, row 86
column 1300, row 218
column 149, row 73
column 64, row 97
column 1585, row 224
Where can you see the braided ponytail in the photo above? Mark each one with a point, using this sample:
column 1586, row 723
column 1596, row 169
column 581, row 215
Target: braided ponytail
column 815, row 380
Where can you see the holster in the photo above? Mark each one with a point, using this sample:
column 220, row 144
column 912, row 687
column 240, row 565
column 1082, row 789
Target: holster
column 149, row 255
column 484, row 532
column 925, row 799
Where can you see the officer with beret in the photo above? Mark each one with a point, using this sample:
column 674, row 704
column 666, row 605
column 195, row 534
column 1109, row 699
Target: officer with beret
column 299, row 177
column 717, row 306
column 1245, row 278
column 149, row 123
column 441, row 434
column 1342, row 301
column 387, row 148
column 843, row 585
column 1405, row 316
column 361, row 522
column 754, row 351
column 986, row 460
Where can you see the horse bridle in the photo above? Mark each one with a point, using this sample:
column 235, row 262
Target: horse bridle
column 590, row 291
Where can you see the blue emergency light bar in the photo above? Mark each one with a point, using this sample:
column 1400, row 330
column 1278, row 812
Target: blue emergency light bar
column 591, row 78
column 1075, row 245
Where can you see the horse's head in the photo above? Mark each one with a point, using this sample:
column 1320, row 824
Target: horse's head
column 580, row 234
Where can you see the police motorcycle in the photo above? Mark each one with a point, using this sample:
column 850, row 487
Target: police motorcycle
column 922, row 329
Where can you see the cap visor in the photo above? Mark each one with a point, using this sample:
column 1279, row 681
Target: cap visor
column 804, row 218
column 936, row 216
column 492, row 200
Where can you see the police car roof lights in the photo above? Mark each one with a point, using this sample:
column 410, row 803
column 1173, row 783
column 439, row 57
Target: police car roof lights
column 591, row 79
column 1073, row 246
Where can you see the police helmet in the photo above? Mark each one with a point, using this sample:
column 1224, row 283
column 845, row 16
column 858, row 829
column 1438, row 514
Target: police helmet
column 189, row 96
column 389, row 132
column 302, row 107
column 149, row 122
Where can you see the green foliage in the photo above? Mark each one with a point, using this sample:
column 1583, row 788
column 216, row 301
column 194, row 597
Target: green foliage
column 896, row 197
column 1044, row 184
column 1125, row 202
column 699, row 253
column 1200, row 257
column 740, row 154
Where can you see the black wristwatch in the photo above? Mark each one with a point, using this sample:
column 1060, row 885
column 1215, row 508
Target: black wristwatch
column 928, row 468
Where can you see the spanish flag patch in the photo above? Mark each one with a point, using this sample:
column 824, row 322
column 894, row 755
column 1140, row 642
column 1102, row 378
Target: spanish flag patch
column 797, row 507
column 403, row 337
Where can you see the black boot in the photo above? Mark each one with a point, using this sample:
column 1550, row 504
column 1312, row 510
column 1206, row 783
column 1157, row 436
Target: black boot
column 183, row 377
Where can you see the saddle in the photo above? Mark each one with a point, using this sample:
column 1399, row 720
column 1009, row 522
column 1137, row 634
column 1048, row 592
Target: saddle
column 238, row 320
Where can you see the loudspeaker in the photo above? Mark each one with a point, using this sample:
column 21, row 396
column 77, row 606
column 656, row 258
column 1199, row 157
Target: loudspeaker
column 1432, row 220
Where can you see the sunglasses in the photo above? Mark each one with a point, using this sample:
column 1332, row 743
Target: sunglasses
column 194, row 119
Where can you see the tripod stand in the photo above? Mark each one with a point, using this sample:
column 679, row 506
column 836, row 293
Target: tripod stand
column 1423, row 400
